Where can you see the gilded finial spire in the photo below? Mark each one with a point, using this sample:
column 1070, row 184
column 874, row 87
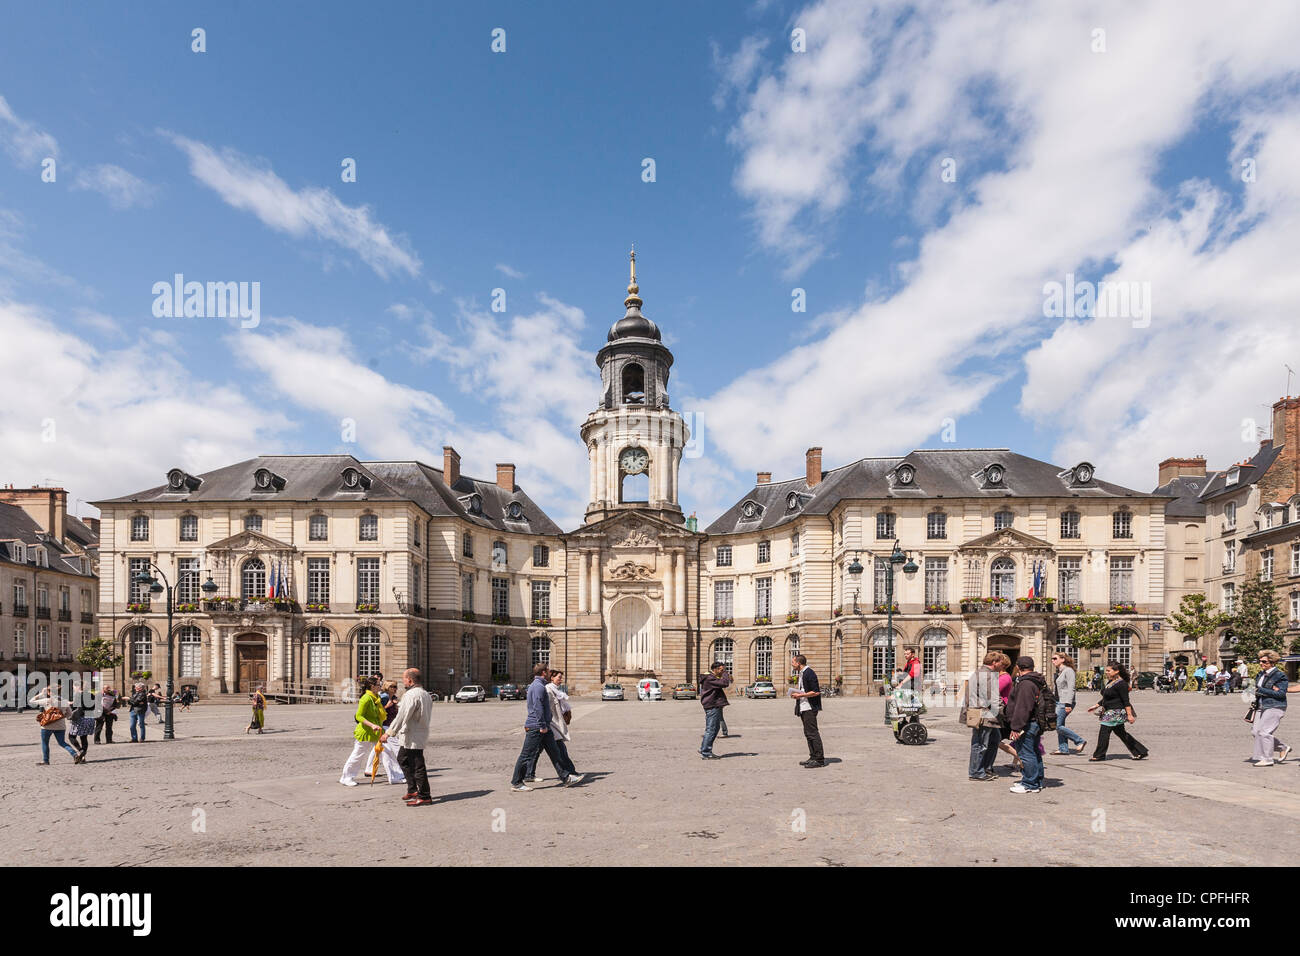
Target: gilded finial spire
column 633, row 300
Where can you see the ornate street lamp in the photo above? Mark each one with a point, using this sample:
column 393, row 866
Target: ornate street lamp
column 896, row 557
column 209, row 588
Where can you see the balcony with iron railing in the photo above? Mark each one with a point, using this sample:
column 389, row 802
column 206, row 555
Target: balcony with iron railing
column 231, row 605
column 42, row 613
column 22, row 610
column 65, row 614
column 87, row 617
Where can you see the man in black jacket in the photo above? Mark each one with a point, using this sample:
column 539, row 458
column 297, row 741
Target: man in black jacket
column 1022, row 711
column 139, row 704
column 713, row 696
column 807, row 705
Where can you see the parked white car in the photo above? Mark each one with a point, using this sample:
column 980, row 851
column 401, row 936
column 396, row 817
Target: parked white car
column 761, row 689
column 649, row 689
column 474, row 692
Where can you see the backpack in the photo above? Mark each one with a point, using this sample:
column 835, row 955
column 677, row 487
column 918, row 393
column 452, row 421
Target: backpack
column 1045, row 713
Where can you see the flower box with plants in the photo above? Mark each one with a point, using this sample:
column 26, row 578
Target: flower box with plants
column 187, row 608
column 792, row 617
column 316, row 607
column 724, row 622
column 138, row 607
column 1035, row 604
column 367, row 608
column 763, row 677
column 762, row 620
column 886, row 608
column 792, row 679
column 938, row 607
column 500, row 619
column 541, row 622
column 1069, row 608
column 1123, row 608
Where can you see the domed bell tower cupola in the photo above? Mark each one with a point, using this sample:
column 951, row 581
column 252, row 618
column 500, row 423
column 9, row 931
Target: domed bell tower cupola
column 634, row 439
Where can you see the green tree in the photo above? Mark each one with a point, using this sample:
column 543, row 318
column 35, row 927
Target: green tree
column 98, row 655
column 1257, row 625
column 1090, row 631
column 1197, row 617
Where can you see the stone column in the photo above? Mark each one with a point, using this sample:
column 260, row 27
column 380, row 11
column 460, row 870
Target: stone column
column 675, row 456
column 593, row 585
column 582, row 582
column 680, row 588
column 668, row 582
column 218, row 649
column 593, row 454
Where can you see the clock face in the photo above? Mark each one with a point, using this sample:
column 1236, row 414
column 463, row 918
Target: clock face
column 634, row 461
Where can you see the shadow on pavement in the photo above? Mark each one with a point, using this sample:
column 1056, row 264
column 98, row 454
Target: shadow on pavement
column 738, row 754
column 465, row 795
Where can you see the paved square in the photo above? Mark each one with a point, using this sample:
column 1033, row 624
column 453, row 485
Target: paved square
column 275, row 799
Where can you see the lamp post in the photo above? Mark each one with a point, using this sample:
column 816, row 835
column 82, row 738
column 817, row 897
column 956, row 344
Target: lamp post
column 896, row 557
column 155, row 587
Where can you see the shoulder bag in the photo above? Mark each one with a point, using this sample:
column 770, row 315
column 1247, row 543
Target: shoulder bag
column 49, row 715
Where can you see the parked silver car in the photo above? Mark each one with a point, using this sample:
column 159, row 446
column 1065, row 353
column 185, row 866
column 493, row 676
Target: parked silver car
column 762, row 688
column 612, row 692
column 474, row 692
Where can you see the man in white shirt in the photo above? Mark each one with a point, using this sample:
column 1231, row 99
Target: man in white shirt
column 410, row 728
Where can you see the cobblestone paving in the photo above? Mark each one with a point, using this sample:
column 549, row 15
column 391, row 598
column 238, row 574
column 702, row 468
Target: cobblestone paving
column 216, row 796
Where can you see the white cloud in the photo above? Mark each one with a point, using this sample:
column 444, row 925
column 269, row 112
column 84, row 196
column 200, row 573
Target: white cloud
column 122, row 189
column 120, row 418
column 1058, row 150
column 25, row 142
column 312, row 211
column 508, row 272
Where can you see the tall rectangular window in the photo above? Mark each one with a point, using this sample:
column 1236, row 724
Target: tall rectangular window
column 723, row 600
column 20, row 595
column 724, row 556
column 318, row 580
column 189, row 527
column 1230, row 599
column 500, row 597
column 500, row 657
column 367, row 580
column 936, row 525
column 541, row 556
column 138, row 592
column 794, row 545
column 65, row 596
column 368, row 528
column 139, row 528
column 318, row 653
column 1295, row 559
column 187, row 580
column 467, row 593
column 42, row 597
column 541, row 600
column 881, row 580
column 1069, row 524
column 20, row 638
column 885, row 525
column 42, row 640
column 764, row 552
column 318, row 528
column 763, row 597
column 1121, row 580
column 253, row 523
column 467, row 545
column 936, row 580
column 1122, row 523
column 63, row 642
column 1067, row 581
column 1230, row 557
column 795, row 579
column 1266, row 565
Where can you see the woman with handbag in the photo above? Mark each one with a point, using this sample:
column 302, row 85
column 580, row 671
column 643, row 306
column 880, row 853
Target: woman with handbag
column 53, row 721
column 1114, row 710
column 1268, row 710
column 81, row 720
column 258, row 701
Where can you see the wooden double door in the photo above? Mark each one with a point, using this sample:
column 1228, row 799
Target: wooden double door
column 250, row 667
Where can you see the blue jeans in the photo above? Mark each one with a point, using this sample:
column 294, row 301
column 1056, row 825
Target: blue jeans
column 534, row 741
column 59, row 739
column 712, row 721
column 1064, row 733
column 569, row 769
column 137, row 717
column 983, row 749
column 1031, row 776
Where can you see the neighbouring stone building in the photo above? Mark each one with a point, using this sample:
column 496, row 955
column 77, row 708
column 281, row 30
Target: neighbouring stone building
column 326, row 567
column 48, row 589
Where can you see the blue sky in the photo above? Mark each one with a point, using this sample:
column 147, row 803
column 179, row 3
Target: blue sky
column 522, row 170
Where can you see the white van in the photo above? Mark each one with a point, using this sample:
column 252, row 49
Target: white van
column 648, row 689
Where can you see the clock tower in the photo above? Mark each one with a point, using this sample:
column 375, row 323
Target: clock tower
column 634, row 439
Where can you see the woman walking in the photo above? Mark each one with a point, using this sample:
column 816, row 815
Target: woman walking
column 53, row 721
column 259, row 711
column 1270, row 708
column 1065, row 698
column 561, row 715
column 369, row 726
column 1115, row 710
column 1006, row 680
column 81, row 724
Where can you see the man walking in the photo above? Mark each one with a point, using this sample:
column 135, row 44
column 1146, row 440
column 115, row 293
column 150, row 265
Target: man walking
column 807, row 705
column 104, row 722
column 139, row 705
column 981, row 716
column 1025, row 729
column 713, row 696
column 410, row 728
column 537, row 735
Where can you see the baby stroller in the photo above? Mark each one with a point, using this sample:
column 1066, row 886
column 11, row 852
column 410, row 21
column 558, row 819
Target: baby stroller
column 1165, row 684
column 903, row 710
column 1222, row 682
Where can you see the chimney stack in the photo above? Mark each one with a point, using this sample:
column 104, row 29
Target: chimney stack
column 92, row 524
column 506, row 477
column 46, row 506
column 1172, row 468
column 764, row 477
column 1282, row 480
column 814, row 466
column 450, row 465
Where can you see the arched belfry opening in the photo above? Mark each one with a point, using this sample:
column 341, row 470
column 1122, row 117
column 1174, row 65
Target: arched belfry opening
column 633, row 392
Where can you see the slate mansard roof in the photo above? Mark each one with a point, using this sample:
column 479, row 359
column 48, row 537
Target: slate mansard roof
column 938, row 473
column 1188, row 493
column 17, row 526
column 319, row 478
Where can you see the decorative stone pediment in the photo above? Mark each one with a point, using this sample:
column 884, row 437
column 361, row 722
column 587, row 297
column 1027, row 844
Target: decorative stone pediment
column 251, row 541
column 634, row 535
column 1008, row 539
column 631, row 571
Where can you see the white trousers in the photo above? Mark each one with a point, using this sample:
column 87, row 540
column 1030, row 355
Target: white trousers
column 361, row 759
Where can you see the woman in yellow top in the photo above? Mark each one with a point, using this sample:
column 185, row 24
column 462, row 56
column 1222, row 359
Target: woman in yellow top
column 369, row 725
column 259, row 711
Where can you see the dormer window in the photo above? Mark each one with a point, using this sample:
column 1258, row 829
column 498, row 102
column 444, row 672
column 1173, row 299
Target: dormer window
column 751, row 510
column 792, row 501
column 1083, row 473
column 994, row 474
column 515, row 511
column 266, row 480
column 476, row 504
column 180, row 481
column 20, row 552
column 1234, row 474
column 904, row 474
column 353, row 480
